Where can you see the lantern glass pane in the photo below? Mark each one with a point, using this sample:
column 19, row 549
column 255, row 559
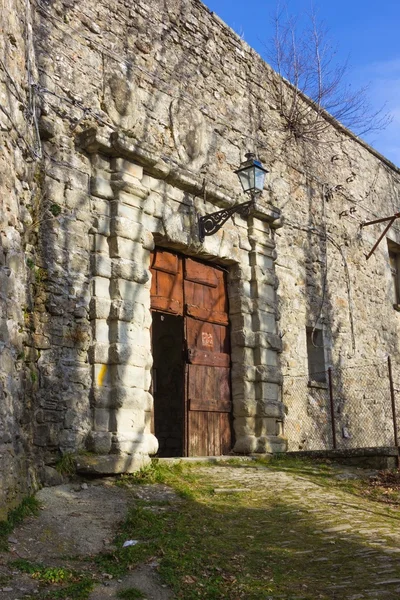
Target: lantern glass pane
column 259, row 179
column 246, row 177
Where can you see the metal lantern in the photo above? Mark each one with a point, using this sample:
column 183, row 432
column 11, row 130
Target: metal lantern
column 251, row 175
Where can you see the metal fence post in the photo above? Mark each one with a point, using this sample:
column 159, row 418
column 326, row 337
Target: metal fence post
column 393, row 400
column 332, row 408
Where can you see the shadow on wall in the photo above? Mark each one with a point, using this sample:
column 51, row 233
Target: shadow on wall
column 140, row 85
column 331, row 294
column 18, row 188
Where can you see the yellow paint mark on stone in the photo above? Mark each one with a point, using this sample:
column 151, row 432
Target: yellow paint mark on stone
column 101, row 375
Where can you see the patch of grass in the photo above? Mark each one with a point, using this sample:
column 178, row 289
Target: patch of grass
column 155, row 472
column 29, row 506
column 79, row 590
column 130, row 594
column 166, row 473
column 253, row 545
column 42, row 573
column 66, row 465
column 141, row 524
column 64, row 583
column 25, row 566
column 196, row 559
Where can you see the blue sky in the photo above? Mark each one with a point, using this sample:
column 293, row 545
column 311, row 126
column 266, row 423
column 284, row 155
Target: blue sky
column 365, row 31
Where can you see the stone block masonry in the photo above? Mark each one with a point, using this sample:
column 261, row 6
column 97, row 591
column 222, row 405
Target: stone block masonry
column 121, row 351
column 18, row 355
column 120, row 123
column 121, row 354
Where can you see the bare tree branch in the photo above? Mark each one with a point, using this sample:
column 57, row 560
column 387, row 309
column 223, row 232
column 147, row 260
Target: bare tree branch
column 307, row 60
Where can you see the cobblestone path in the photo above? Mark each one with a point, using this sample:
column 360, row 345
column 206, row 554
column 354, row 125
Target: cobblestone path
column 355, row 541
column 324, row 542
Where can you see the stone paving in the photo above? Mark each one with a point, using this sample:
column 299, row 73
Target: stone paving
column 367, row 532
column 357, row 542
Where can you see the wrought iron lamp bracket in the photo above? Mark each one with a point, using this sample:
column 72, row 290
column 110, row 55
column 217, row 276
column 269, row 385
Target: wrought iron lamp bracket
column 210, row 224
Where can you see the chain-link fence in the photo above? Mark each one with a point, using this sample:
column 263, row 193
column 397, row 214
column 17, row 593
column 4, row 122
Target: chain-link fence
column 342, row 408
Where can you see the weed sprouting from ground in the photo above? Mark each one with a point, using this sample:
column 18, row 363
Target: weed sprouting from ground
column 130, row 594
column 154, row 472
column 29, row 506
column 66, row 465
column 42, row 573
column 74, row 584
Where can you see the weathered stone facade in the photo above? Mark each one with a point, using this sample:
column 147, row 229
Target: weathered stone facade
column 17, row 189
column 120, row 123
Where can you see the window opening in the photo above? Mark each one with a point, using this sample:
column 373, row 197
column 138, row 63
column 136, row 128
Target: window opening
column 394, row 262
column 316, row 355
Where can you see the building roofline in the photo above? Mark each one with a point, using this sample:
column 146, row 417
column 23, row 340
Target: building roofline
column 326, row 115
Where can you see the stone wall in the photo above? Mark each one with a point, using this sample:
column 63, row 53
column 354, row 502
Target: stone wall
column 18, row 189
column 326, row 282
column 137, row 140
column 144, row 112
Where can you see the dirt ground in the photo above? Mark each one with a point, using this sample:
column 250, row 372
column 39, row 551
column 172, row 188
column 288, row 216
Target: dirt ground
column 77, row 520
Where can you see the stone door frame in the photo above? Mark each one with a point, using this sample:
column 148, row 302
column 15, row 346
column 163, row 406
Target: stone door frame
column 134, row 208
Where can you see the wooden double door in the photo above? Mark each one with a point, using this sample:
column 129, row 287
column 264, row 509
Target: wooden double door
column 191, row 357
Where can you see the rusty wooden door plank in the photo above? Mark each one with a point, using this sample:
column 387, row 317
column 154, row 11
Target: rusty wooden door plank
column 185, row 286
column 167, row 282
column 200, row 273
column 208, row 353
column 211, row 359
column 209, row 388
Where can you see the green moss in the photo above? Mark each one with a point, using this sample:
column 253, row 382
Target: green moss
column 40, row 275
column 55, row 210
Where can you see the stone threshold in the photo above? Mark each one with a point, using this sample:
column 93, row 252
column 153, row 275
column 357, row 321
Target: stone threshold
column 207, row 459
